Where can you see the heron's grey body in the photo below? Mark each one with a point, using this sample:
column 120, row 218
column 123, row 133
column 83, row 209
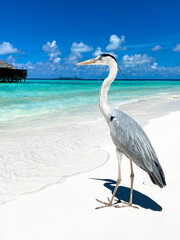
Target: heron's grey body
column 132, row 141
column 128, row 136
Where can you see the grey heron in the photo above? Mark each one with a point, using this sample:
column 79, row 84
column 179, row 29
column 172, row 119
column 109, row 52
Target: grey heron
column 127, row 135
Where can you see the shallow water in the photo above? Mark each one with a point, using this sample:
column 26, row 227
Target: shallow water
column 36, row 98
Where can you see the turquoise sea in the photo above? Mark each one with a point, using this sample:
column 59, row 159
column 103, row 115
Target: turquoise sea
column 44, row 97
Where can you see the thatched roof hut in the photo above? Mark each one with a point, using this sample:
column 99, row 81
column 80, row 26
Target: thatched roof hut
column 6, row 65
column 9, row 73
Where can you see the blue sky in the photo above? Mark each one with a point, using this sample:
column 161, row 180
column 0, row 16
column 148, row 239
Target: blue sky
column 49, row 37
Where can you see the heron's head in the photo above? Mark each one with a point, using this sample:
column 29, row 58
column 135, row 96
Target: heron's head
column 103, row 59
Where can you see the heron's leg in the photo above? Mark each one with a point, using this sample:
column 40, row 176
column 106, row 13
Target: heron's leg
column 119, row 157
column 132, row 181
column 131, row 192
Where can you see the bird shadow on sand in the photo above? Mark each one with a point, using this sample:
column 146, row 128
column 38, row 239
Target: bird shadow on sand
column 123, row 194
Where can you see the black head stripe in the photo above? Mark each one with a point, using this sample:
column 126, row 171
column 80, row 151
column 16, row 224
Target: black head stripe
column 108, row 55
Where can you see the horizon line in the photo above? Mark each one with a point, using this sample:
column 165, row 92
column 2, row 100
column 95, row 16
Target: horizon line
column 101, row 79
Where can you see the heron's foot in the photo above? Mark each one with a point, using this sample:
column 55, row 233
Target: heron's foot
column 126, row 204
column 106, row 204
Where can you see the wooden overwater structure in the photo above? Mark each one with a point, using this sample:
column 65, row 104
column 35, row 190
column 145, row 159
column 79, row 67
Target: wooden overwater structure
column 10, row 74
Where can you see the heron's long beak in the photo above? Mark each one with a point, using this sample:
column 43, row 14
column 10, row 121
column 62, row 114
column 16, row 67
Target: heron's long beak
column 91, row 61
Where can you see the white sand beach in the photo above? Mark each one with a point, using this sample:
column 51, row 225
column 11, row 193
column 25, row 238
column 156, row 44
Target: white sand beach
column 67, row 210
column 66, row 68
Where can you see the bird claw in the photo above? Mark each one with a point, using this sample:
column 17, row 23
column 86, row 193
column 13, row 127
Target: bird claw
column 109, row 204
column 127, row 204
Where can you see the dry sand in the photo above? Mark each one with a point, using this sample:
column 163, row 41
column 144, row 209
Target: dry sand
column 67, row 211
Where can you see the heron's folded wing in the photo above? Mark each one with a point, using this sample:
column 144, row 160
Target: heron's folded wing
column 131, row 138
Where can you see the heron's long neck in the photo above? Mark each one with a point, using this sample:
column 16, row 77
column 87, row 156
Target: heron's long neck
column 103, row 100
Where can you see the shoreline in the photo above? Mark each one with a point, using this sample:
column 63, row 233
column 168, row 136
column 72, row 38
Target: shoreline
column 128, row 107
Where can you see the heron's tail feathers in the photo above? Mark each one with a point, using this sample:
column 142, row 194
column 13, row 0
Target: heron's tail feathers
column 157, row 176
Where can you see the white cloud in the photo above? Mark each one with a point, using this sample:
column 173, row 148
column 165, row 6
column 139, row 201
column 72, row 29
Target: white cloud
column 52, row 50
column 27, row 65
column 137, row 59
column 80, row 47
column 169, row 72
column 49, row 68
column 73, row 58
column 56, row 60
column 177, row 48
column 139, row 65
column 7, row 48
column 156, row 48
column 115, row 43
column 154, row 66
column 97, row 52
column 11, row 60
